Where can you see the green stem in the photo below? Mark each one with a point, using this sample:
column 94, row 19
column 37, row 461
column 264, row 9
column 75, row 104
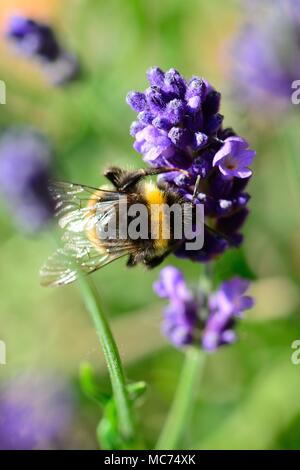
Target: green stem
column 184, row 400
column 113, row 360
column 183, row 403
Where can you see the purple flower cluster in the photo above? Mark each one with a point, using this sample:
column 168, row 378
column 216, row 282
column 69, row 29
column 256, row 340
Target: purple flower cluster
column 25, row 159
column 38, row 41
column 179, row 126
column 186, row 319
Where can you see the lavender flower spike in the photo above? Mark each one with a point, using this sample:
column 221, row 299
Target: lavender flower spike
column 179, row 126
column 38, row 41
column 234, row 158
column 25, row 159
column 180, row 316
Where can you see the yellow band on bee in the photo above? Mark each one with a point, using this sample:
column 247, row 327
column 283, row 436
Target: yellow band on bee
column 156, row 200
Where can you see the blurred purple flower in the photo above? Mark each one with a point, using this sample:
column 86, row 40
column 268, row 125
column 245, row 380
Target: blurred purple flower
column 266, row 54
column 180, row 316
column 185, row 319
column 38, row 41
column 25, row 159
column 289, row 7
column 33, row 39
column 179, row 126
column 225, row 305
column 35, row 412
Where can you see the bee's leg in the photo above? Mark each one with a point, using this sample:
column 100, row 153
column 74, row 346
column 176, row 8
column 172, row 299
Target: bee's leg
column 151, row 261
column 137, row 258
column 131, row 262
column 154, row 262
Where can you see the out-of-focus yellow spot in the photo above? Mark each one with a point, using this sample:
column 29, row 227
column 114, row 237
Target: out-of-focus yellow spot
column 45, row 10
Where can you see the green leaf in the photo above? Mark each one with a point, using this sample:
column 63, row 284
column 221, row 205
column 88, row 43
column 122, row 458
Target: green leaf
column 108, row 434
column 136, row 390
column 90, row 386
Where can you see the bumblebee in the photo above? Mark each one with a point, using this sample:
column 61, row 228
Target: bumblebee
column 84, row 212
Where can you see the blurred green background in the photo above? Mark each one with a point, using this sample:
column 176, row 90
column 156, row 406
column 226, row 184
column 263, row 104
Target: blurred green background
column 249, row 394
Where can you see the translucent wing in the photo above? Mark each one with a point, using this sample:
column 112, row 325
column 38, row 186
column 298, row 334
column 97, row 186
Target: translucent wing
column 81, row 210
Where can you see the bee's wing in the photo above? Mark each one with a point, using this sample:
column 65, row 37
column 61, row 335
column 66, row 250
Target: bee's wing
column 79, row 209
column 64, row 266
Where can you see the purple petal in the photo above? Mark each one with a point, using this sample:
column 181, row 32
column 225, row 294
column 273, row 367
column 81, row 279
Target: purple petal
column 241, row 143
column 146, row 117
column 200, row 140
column 156, row 76
column 175, row 83
column 152, row 154
column 180, row 137
column 210, row 341
column 226, row 172
column 136, row 127
column 162, row 123
column 196, row 88
column 222, row 153
column 171, row 283
column 243, row 173
column 194, row 103
column 156, row 99
column 246, row 157
column 175, row 111
column 228, row 337
column 136, row 100
column 246, row 302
